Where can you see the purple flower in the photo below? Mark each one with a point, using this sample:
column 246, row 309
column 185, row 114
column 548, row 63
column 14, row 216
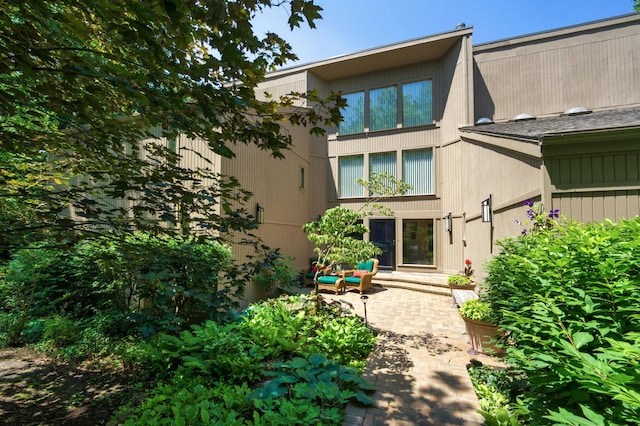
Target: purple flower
column 530, row 213
column 554, row 213
column 524, row 232
column 529, row 202
column 517, row 222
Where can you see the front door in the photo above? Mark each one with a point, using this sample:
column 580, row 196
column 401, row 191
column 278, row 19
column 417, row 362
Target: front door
column 383, row 235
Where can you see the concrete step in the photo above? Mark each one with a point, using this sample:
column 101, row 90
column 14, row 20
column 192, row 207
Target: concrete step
column 427, row 283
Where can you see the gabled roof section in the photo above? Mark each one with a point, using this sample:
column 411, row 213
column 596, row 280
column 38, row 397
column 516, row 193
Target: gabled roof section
column 535, row 130
column 384, row 57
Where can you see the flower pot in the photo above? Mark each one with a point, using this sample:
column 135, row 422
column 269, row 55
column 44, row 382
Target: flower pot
column 480, row 335
column 462, row 286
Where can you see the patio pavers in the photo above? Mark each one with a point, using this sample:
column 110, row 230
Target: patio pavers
column 419, row 362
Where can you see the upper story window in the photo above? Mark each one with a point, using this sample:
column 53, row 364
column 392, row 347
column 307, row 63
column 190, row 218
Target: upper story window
column 417, row 103
column 353, row 114
column 383, row 108
column 379, row 109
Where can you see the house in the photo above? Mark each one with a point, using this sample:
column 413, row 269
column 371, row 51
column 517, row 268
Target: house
column 553, row 116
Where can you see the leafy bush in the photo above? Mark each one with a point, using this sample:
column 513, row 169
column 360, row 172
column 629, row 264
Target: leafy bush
column 167, row 283
column 459, row 280
column 568, row 297
column 191, row 402
column 344, row 339
column 209, row 350
column 477, row 310
column 316, row 389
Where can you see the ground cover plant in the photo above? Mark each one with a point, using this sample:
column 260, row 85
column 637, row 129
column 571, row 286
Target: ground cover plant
column 263, row 368
column 566, row 295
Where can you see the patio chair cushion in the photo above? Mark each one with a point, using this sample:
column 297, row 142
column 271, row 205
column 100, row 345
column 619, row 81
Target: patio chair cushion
column 368, row 266
column 328, row 279
column 360, row 273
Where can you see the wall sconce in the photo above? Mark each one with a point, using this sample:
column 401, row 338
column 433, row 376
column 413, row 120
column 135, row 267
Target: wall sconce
column 259, row 213
column 447, row 223
column 487, row 213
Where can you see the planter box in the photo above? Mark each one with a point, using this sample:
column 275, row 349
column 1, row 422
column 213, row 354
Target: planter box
column 480, row 335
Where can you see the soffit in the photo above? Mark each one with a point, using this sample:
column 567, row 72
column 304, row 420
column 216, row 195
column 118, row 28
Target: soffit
column 391, row 56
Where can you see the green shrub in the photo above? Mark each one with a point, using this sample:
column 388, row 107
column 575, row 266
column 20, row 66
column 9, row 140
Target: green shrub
column 568, row 297
column 212, row 351
column 344, row 339
column 191, row 402
column 477, row 310
column 459, row 280
column 166, row 283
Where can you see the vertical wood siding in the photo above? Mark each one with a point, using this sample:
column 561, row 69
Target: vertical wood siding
column 596, row 206
column 549, row 76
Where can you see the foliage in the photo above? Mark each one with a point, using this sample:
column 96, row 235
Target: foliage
column 315, row 379
column 249, row 371
column 163, row 283
column 477, row 310
column 192, row 402
column 343, row 339
column 217, row 352
column 93, row 97
column 537, row 218
column 272, row 270
column 497, row 391
column 459, row 280
column 566, row 295
column 142, row 283
column 337, row 234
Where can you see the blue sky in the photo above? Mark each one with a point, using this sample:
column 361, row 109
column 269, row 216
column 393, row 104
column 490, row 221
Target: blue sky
column 349, row 26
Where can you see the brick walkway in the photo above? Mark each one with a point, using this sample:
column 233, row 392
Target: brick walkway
column 419, row 362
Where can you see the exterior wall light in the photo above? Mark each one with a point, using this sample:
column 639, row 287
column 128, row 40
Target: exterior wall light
column 259, row 213
column 487, row 213
column 447, row 223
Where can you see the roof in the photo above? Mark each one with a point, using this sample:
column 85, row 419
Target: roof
column 535, row 129
column 384, row 57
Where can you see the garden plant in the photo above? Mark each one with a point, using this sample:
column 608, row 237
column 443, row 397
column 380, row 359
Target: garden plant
column 566, row 295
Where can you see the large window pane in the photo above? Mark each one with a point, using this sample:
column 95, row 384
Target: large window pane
column 353, row 114
column 384, row 162
column 417, row 104
column 350, row 169
column 417, row 171
column 417, row 241
column 383, row 108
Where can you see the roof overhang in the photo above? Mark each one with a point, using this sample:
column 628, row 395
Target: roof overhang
column 385, row 57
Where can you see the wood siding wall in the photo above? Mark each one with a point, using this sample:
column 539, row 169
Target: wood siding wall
column 596, row 206
column 594, row 69
column 275, row 185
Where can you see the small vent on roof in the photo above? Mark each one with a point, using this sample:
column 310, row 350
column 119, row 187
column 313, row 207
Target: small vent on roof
column 577, row 111
column 483, row 121
column 461, row 25
column 523, row 117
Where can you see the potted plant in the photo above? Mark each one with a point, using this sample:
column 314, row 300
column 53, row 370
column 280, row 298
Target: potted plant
column 460, row 282
column 479, row 320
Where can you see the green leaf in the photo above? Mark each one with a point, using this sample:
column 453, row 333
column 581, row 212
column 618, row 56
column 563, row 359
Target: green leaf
column 317, row 359
column 581, row 338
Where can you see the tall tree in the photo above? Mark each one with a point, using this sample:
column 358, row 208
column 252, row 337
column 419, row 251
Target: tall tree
column 82, row 82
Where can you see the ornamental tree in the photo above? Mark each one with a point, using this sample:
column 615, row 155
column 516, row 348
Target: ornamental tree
column 337, row 233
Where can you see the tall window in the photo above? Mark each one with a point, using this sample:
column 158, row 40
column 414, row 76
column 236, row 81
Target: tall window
column 417, row 171
column 417, row 241
column 349, row 169
column 353, row 114
column 383, row 108
column 417, row 103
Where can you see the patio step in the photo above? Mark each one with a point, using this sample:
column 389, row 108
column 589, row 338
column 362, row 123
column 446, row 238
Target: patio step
column 427, row 283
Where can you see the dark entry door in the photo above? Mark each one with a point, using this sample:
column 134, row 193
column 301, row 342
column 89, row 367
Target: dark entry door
column 383, row 234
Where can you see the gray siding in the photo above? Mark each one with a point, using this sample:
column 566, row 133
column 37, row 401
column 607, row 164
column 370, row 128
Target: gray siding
column 597, row 206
